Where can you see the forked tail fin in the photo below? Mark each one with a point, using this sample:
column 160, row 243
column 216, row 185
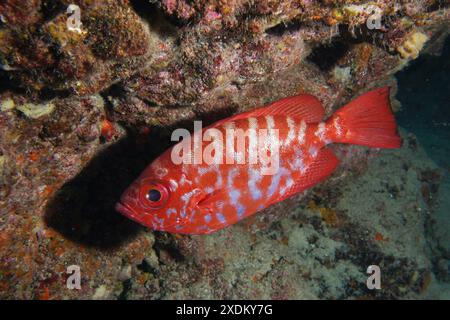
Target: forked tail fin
column 367, row 121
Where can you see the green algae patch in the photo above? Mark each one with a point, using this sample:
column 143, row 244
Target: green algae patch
column 2, row 164
column 35, row 111
column 7, row 104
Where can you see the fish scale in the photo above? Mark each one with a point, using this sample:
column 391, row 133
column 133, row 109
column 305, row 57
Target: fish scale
column 241, row 200
column 203, row 198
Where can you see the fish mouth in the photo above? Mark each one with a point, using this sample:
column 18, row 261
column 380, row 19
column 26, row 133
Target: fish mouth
column 127, row 211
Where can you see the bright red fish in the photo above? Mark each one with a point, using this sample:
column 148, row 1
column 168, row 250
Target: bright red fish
column 203, row 198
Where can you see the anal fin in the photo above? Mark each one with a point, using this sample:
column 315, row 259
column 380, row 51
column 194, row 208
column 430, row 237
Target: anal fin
column 324, row 165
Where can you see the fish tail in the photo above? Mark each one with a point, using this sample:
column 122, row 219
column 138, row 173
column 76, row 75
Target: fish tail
column 366, row 121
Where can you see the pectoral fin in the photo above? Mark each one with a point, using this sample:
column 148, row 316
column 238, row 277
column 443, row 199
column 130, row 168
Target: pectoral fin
column 204, row 202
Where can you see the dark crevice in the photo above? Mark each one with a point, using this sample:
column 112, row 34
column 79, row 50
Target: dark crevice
column 283, row 28
column 153, row 104
column 155, row 17
column 116, row 90
column 145, row 267
column 165, row 242
column 9, row 83
column 438, row 5
column 5, row 84
column 326, row 56
column 50, row 9
column 49, row 94
column 127, row 286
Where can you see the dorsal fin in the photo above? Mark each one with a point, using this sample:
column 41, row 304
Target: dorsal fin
column 324, row 165
column 304, row 106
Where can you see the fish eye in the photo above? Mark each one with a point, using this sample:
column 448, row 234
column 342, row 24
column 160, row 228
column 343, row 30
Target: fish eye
column 154, row 195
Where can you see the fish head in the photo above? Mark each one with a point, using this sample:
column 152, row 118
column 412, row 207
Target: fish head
column 157, row 201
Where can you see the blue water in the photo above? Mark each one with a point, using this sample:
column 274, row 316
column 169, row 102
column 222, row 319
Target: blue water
column 424, row 91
